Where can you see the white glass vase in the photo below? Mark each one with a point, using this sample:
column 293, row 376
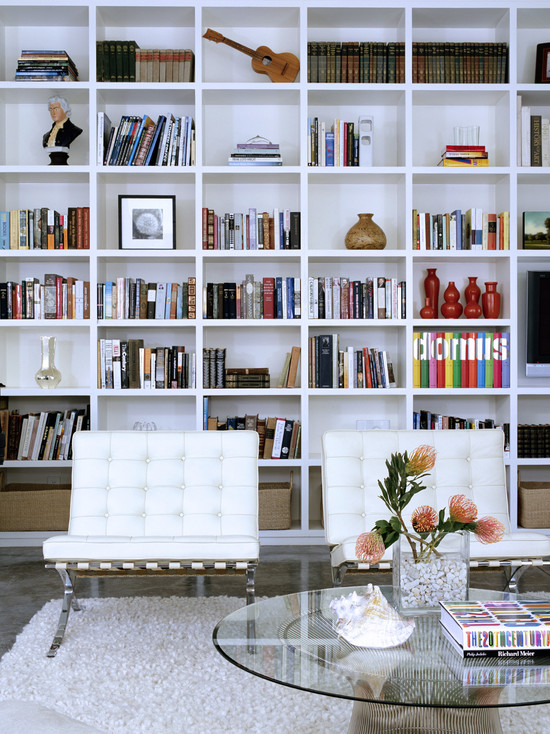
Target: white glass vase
column 421, row 583
column 48, row 375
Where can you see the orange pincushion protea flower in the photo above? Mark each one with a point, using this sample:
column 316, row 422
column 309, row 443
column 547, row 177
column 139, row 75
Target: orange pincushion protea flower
column 369, row 547
column 424, row 519
column 421, row 460
column 489, row 530
column 462, row 508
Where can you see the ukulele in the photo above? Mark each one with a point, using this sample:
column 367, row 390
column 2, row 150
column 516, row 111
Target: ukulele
column 279, row 67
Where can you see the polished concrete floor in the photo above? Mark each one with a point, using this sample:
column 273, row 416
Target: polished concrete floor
column 25, row 585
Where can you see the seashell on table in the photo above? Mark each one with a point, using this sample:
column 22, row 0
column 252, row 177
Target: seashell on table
column 368, row 620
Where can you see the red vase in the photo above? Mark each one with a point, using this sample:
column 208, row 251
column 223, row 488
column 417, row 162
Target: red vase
column 490, row 301
column 431, row 289
column 472, row 292
column 452, row 308
column 427, row 311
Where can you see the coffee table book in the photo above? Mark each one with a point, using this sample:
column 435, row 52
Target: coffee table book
column 507, row 629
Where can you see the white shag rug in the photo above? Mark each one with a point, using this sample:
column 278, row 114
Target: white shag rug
column 147, row 665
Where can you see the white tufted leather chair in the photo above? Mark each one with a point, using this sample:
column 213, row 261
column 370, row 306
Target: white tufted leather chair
column 163, row 501
column 469, row 462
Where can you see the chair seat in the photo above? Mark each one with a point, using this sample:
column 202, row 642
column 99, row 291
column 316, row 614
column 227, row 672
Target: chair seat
column 144, row 548
column 513, row 546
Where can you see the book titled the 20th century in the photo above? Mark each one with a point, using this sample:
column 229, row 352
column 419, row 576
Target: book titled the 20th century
column 507, row 629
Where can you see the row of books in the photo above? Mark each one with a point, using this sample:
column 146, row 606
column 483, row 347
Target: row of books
column 125, row 61
column 332, row 367
column 289, row 373
column 459, row 63
column 333, row 297
column 279, row 438
column 505, row 629
column 533, row 137
column 429, row 420
column 215, row 375
column 36, row 65
column 129, row 365
column 252, row 230
column 332, row 144
column 464, row 156
column 43, row 228
column 136, row 298
column 472, row 229
column 139, row 141
column 461, row 359
column 533, row 441
column 264, row 153
column 356, row 62
column 56, row 298
column 268, row 298
column 44, row 436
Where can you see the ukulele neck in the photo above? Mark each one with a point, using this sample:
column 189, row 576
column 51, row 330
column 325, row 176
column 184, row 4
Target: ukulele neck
column 240, row 47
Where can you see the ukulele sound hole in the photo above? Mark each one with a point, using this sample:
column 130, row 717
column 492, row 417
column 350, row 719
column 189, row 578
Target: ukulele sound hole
column 266, row 60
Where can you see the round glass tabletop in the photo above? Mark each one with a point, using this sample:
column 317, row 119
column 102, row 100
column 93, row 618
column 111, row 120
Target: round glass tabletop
column 291, row 640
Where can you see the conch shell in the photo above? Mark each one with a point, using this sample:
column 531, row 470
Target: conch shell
column 368, row 620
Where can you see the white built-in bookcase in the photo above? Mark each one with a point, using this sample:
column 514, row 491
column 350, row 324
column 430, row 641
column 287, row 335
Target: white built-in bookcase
column 230, row 103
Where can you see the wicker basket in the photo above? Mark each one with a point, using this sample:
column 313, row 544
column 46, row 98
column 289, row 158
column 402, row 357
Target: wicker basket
column 274, row 505
column 533, row 504
column 25, row 507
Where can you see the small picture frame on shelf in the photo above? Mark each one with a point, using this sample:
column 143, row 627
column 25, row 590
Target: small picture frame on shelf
column 146, row 222
column 536, row 230
column 542, row 64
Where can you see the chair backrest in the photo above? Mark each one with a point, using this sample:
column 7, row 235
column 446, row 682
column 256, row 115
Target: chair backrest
column 164, row 483
column 469, row 462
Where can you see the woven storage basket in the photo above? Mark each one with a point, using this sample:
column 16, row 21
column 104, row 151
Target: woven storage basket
column 34, row 507
column 274, row 505
column 534, row 504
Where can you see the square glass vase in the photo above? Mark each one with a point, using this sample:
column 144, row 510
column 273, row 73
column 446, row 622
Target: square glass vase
column 420, row 583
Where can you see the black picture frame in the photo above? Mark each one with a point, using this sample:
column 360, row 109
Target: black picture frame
column 146, row 222
column 535, row 232
column 542, row 64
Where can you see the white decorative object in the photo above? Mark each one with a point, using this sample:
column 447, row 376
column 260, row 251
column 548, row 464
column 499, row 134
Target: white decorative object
column 48, row 376
column 368, row 620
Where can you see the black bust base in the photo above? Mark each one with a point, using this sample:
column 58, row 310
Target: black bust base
column 58, row 158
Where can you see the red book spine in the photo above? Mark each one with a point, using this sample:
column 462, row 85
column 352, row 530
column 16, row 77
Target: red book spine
column 59, row 297
column 269, row 298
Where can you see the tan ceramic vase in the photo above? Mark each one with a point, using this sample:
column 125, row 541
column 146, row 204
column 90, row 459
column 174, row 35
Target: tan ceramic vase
column 365, row 235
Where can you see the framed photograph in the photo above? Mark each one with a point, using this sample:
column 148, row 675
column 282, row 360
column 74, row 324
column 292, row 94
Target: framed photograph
column 536, row 230
column 542, row 64
column 146, row 222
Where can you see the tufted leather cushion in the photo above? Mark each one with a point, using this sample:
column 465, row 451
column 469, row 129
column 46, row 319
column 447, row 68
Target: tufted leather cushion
column 469, row 462
column 162, row 495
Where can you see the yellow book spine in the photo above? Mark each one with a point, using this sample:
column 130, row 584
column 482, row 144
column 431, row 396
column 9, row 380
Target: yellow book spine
column 416, row 359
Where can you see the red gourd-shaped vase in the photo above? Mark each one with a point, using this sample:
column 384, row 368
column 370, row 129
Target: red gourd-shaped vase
column 431, row 289
column 427, row 311
column 490, row 301
column 472, row 293
column 452, row 308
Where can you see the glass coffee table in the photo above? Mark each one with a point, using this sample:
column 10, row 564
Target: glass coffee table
column 422, row 686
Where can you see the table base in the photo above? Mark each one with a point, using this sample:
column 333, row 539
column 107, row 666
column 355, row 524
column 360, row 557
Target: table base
column 378, row 718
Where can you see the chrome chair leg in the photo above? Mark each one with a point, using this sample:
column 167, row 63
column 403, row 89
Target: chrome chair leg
column 250, row 588
column 338, row 574
column 67, row 577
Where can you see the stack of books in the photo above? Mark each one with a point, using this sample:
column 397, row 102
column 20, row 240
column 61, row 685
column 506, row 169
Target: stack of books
column 261, row 153
column 47, row 66
column 464, row 155
column 501, row 629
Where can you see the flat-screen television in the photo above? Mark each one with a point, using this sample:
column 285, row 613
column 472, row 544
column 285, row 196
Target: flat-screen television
column 538, row 324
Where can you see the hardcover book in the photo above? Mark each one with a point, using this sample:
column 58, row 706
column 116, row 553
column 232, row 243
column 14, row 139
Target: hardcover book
column 504, row 629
